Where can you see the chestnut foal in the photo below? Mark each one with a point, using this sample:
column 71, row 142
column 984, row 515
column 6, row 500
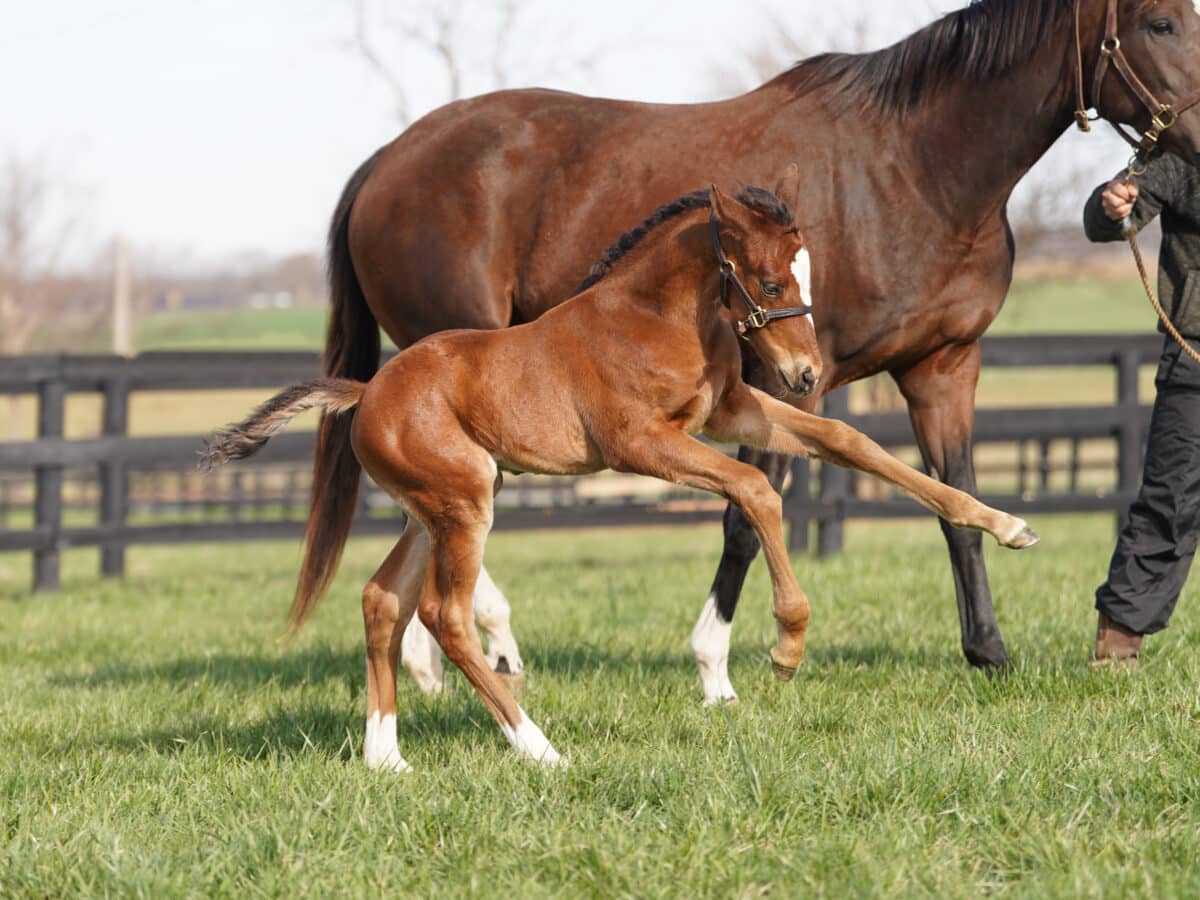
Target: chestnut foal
column 620, row 376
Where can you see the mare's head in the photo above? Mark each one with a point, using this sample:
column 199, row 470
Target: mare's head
column 1161, row 41
column 760, row 239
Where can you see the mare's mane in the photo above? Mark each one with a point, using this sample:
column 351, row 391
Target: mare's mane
column 757, row 199
column 977, row 43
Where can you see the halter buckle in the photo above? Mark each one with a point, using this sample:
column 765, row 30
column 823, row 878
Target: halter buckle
column 757, row 319
column 1164, row 118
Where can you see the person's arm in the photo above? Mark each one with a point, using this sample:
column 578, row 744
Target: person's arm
column 1148, row 194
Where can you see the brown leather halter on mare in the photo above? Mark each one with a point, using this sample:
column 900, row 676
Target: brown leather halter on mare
column 1163, row 116
column 759, row 317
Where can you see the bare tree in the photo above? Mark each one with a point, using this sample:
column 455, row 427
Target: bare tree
column 466, row 44
column 32, row 243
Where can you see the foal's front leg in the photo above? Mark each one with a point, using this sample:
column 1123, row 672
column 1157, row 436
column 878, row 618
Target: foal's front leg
column 667, row 453
column 749, row 416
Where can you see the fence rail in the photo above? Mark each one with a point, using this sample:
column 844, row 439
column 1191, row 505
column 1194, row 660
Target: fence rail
column 822, row 495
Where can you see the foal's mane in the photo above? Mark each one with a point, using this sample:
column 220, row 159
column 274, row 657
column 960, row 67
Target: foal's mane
column 976, row 43
column 758, row 199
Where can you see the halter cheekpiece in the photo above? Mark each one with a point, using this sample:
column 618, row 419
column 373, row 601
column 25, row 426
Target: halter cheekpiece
column 759, row 317
column 1162, row 115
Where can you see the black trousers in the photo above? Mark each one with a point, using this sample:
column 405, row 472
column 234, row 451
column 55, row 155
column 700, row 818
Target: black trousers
column 1155, row 548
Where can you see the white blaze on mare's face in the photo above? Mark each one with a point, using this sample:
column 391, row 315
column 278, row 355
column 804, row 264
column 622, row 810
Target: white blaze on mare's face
column 802, row 272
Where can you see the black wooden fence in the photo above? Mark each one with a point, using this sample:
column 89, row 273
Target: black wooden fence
column 122, row 508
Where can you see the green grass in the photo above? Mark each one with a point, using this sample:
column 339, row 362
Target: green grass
column 155, row 740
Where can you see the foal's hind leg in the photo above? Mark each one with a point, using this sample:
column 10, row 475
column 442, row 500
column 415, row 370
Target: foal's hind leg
column 455, row 558
column 388, row 601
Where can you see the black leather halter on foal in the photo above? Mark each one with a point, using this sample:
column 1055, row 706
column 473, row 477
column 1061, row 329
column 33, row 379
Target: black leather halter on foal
column 759, row 317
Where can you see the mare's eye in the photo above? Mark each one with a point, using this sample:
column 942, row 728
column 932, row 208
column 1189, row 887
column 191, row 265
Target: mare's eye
column 771, row 289
column 1162, row 27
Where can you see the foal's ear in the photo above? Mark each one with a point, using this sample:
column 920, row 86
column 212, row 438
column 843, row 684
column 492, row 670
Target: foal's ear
column 788, row 189
column 720, row 205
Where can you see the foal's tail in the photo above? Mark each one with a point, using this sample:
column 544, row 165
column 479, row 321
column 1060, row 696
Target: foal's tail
column 247, row 437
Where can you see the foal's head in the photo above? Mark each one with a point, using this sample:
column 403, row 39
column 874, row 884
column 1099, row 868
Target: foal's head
column 759, row 237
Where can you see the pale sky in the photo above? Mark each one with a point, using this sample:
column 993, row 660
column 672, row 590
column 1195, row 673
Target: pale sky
column 201, row 130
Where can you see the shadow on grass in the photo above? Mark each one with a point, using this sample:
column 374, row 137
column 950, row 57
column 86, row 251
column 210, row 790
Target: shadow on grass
column 309, row 666
column 326, row 730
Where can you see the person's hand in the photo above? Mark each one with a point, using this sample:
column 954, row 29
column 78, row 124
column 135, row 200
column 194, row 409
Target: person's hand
column 1118, row 199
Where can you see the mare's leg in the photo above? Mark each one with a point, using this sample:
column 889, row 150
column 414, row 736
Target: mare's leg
column 750, row 416
column 940, row 391
column 445, row 609
column 388, row 602
column 673, row 456
column 710, row 636
column 423, row 657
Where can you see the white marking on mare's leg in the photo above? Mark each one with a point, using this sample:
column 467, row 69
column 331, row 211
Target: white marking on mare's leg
column 380, row 749
column 493, row 615
column 710, row 648
column 802, row 272
column 422, row 657
column 527, row 739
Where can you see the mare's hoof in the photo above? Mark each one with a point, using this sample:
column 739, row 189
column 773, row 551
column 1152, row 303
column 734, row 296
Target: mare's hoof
column 990, row 656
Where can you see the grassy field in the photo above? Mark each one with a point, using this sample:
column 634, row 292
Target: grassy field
column 155, row 740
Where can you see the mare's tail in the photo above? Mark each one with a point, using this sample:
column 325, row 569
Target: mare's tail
column 351, row 351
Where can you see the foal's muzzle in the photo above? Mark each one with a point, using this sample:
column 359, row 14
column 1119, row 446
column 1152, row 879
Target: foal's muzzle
column 800, row 380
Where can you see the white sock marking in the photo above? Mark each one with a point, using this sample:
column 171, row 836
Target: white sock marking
column 528, row 740
column 380, row 749
column 710, row 648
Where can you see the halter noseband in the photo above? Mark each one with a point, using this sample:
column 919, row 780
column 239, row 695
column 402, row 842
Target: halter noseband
column 1162, row 115
column 759, row 317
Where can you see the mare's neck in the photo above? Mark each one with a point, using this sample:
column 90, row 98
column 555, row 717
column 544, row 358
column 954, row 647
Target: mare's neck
column 973, row 143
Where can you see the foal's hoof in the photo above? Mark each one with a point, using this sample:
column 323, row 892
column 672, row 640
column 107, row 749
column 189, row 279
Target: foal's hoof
column 782, row 672
column 1024, row 538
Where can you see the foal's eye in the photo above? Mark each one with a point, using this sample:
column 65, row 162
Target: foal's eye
column 1162, row 27
column 771, row 289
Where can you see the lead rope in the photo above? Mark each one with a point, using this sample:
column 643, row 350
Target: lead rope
column 1129, row 230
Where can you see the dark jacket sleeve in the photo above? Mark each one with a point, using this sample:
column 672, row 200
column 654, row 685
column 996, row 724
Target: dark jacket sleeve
column 1156, row 188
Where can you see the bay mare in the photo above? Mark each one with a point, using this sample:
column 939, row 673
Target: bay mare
column 487, row 212
column 618, row 377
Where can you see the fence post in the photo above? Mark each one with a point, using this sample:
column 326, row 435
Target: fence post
column 114, row 480
column 795, row 505
column 835, row 485
column 48, row 484
column 1129, row 437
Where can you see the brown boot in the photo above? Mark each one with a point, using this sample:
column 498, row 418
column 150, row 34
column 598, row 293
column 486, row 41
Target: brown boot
column 1116, row 646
